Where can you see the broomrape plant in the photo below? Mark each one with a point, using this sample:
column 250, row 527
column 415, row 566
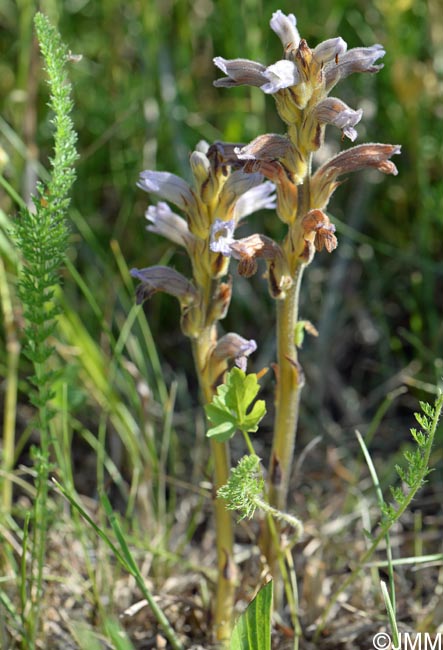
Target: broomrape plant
column 228, row 185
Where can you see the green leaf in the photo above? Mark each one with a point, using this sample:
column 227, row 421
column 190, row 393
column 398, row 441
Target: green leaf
column 222, row 432
column 232, row 407
column 253, row 628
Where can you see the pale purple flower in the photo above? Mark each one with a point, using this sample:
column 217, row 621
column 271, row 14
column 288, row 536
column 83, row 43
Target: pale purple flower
column 267, row 147
column 163, row 221
column 234, row 346
column 285, row 28
column 237, row 184
column 359, row 59
column 170, row 187
column 261, row 197
column 163, row 278
column 330, row 50
column 282, row 74
column 269, row 79
column 239, row 72
column 333, row 111
column 222, row 236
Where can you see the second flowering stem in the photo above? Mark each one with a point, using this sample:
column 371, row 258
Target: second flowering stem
column 224, row 531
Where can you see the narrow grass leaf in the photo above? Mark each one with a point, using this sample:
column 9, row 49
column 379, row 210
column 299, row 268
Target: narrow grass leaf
column 390, row 609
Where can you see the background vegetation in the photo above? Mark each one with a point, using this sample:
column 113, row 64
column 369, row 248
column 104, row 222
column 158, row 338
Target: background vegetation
column 143, row 94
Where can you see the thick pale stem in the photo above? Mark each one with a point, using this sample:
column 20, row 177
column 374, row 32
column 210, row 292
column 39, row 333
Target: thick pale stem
column 224, row 601
column 289, row 383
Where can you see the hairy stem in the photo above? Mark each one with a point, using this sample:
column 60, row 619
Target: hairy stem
column 289, row 384
column 290, row 375
column 224, row 532
column 290, row 381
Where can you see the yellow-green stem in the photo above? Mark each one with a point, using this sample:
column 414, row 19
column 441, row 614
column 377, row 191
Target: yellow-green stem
column 224, row 600
column 289, row 383
column 13, row 355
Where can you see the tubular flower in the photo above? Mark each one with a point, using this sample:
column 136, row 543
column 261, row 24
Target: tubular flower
column 234, row 346
column 286, row 29
column 334, row 111
column 170, row 187
column 248, row 250
column 163, row 221
column 359, row 59
column 163, row 278
column 324, row 181
column 231, row 346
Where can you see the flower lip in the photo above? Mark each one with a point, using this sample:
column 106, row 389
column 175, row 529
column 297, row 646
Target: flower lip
column 333, row 111
column 280, row 75
column 221, row 243
column 270, row 146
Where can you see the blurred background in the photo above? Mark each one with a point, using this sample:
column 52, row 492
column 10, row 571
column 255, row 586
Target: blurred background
column 143, row 98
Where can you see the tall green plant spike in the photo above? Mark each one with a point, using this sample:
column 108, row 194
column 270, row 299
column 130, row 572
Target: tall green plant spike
column 41, row 237
column 41, row 234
